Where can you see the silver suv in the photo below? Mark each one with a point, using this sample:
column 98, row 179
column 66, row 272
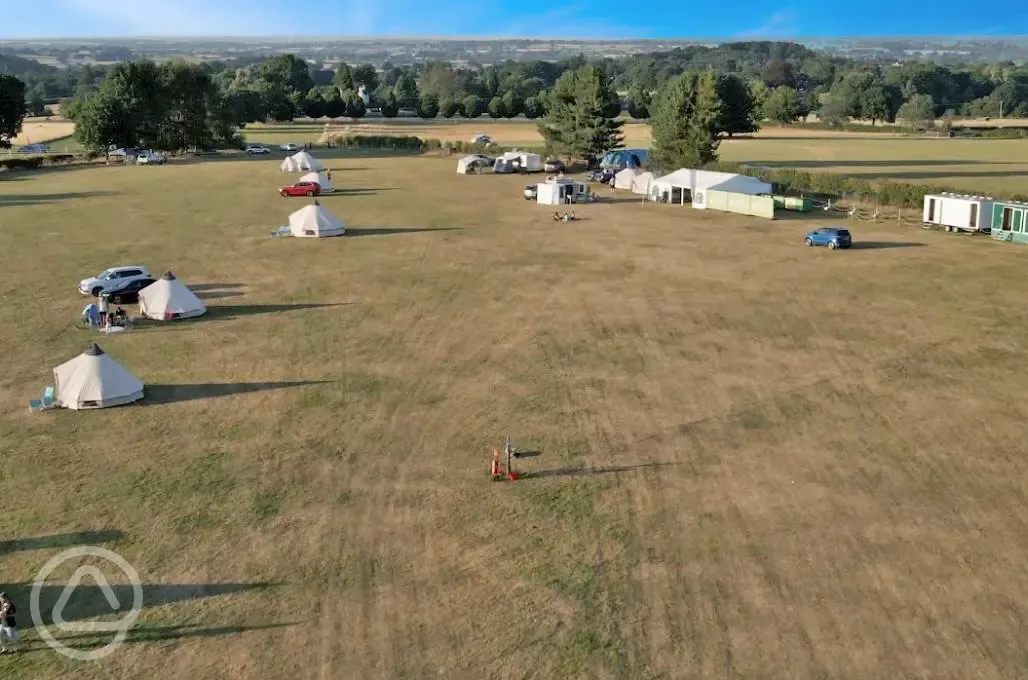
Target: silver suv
column 113, row 279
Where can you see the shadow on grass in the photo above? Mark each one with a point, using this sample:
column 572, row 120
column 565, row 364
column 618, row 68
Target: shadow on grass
column 174, row 393
column 213, row 286
column 880, row 163
column 883, row 245
column 87, row 600
column 140, row 634
column 33, row 199
column 590, row 472
column 60, row 540
column 527, row 454
column 357, row 191
column 233, row 311
column 386, row 231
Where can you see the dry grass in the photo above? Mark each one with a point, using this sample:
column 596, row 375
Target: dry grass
column 756, row 460
column 40, row 131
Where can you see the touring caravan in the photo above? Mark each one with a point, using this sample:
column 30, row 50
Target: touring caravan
column 958, row 212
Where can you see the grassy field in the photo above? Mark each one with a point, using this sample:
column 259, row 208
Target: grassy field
column 752, row 459
column 40, row 131
column 973, row 165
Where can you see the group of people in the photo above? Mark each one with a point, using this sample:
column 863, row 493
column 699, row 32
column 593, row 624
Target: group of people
column 98, row 315
column 557, row 217
column 8, row 625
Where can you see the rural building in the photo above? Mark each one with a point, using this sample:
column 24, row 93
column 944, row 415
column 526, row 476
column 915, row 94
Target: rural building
column 560, row 191
column 958, row 212
column 1010, row 221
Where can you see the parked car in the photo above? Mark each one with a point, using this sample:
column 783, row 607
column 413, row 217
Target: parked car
column 112, row 279
column 833, row 237
column 553, row 165
column 603, row 175
column 531, row 192
column 34, row 148
column 301, row 189
column 257, row 149
column 149, row 157
column 289, row 147
column 128, row 293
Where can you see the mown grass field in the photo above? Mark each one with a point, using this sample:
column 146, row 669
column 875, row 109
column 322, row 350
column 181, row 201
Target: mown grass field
column 753, row 459
column 972, row 165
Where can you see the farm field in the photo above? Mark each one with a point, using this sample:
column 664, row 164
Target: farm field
column 42, row 131
column 972, row 165
column 749, row 458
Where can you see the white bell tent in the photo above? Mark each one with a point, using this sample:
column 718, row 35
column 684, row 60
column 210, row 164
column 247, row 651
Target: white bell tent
column 94, row 380
column 321, row 178
column 625, row 179
column 301, row 161
column 167, row 299
column 314, row 221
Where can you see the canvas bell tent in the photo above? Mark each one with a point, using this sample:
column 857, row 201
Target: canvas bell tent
column 94, row 380
column 301, row 161
column 167, row 299
column 641, row 183
column 625, row 179
column 314, row 221
column 321, row 178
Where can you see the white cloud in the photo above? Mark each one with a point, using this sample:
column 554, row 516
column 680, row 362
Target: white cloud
column 781, row 24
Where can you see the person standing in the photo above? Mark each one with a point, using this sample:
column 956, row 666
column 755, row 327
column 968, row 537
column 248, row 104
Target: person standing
column 8, row 626
column 103, row 309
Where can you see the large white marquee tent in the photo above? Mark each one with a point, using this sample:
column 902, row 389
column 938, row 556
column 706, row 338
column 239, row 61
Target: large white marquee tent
column 684, row 183
column 301, row 161
column 314, row 221
column 167, row 299
column 94, row 380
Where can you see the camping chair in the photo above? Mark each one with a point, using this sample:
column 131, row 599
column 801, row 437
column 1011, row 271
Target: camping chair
column 46, row 402
column 281, row 231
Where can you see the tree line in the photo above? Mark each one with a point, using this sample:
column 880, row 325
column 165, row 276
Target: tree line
column 754, row 81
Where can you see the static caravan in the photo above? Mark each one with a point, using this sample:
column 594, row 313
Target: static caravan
column 1010, row 221
column 957, row 212
column 561, row 192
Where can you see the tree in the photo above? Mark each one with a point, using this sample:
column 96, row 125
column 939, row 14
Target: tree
column 334, row 104
column 778, row 73
column 366, row 75
column 314, row 104
column 406, row 92
column 918, row 112
column 472, row 106
column 534, row 108
column 758, row 95
column 639, row 102
column 684, row 122
column 736, row 106
column 288, row 72
column 782, row 105
column 34, row 105
column 513, row 104
column 496, row 108
column 579, row 122
column 874, row 104
column 343, row 78
column 428, row 106
column 390, row 106
column 354, row 105
column 245, row 106
column 449, row 108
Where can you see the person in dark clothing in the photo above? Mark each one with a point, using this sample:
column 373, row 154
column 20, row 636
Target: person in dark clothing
column 8, row 626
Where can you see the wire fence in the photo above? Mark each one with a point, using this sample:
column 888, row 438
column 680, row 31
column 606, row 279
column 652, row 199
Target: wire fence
column 859, row 211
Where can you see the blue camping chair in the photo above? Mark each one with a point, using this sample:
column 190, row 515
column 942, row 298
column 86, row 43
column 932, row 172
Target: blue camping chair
column 46, row 402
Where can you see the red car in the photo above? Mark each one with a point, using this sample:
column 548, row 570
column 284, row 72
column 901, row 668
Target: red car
column 301, row 189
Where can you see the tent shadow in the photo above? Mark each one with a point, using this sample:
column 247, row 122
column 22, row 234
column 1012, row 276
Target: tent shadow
column 88, row 601
column 590, row 472
column 73, row 538
column 232, row 311
column 883, row 245
column 143, row 634
column 386, row 231
column 214, row 286
column 33, row 199
column 162, row 393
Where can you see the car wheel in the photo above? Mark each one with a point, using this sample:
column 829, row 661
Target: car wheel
column 309, row 194
column 96, row 291
column 284, row 192
column 809, row 242
column 832, row 245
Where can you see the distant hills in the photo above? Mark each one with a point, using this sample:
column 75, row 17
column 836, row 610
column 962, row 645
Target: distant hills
column 61, row 53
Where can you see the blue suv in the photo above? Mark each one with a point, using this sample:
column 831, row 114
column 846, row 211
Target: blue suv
column 833, row 237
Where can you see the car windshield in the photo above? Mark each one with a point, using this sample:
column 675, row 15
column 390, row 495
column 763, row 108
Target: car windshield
column 104, row 274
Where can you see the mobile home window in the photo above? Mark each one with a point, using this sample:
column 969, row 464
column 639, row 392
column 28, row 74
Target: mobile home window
column 931, row 209
column 1018, row 221
column 1008, row 218
column 974, row 216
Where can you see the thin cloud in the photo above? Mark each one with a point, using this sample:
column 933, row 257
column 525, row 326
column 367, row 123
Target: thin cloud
column 782, row 24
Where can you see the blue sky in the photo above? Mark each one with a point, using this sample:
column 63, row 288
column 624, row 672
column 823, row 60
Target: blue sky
column 596, row 19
